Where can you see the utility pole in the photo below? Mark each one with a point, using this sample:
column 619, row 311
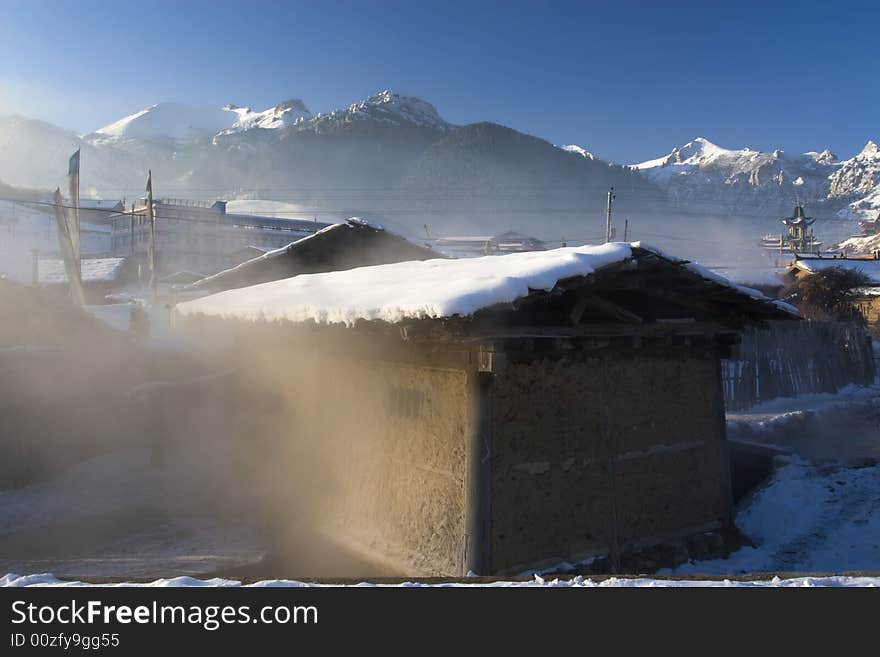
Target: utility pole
column 626, row 230
column 152, row 219
column 608, row 214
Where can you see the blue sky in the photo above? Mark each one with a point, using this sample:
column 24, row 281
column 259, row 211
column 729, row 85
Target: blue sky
column 626, row 80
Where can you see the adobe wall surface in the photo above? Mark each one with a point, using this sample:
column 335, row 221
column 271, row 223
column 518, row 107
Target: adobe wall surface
column 592, row 453
column 365, row 451
column 869, row 306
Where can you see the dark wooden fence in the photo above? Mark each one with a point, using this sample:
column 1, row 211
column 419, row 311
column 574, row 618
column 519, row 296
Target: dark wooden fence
column 795, row 358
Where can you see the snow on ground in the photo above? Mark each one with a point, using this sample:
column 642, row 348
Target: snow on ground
column 45, row 579
column 809, row 518
column 115, row 515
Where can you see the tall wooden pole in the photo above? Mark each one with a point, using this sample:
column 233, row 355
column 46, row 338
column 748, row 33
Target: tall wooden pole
column 73, row 195
column 152, row 219
column 608, row 215
column 66, row 248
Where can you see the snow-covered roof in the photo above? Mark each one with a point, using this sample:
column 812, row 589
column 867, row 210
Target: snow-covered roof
column 423, row 289
column 277, row 253
column 752, row 275
column 94, row 270
column 869, row 267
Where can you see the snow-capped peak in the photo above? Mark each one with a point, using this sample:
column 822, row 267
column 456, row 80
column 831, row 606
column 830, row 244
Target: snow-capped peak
column 825, row 157
column 282, row 115
column 410, row 109
column 858, row 175
column 578, row 150
column 165, row 120
column 869, row 151
column 698, row 152
column 384, row 107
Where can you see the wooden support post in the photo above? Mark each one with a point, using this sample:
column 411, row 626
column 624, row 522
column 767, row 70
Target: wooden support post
column 152, row 219
column 477, row 557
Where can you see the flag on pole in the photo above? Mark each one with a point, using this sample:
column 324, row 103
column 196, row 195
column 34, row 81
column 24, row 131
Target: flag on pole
column 73, row 164
column 73, row 193
column 71, row 265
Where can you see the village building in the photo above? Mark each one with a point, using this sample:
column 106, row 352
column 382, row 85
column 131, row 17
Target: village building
column 490, row 415
column 352, row 243
column 98, row 211
column 199, row 235
column 867, row 297
column 800, row 237
column 473, row 246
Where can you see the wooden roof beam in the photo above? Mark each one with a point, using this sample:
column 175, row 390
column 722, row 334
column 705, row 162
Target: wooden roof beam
column 609, row 308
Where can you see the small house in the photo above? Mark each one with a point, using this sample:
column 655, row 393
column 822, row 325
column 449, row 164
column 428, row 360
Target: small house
column 866, row 298
column 494, row 414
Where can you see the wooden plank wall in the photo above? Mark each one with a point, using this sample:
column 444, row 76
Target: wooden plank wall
column 795, row 358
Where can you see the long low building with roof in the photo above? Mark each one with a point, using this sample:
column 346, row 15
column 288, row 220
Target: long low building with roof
column 493, row 414
column 199, row 235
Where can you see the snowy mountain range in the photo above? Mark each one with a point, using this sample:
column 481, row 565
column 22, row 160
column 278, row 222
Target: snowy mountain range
column 394, row 156
column 702, row 174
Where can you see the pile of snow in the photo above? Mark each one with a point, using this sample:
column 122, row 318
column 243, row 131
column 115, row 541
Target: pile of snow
column 422, row 289
column 93, row 270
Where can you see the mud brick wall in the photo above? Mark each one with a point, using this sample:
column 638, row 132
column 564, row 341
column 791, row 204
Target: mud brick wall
column 869, row 306
column 377, row 448
column 591, row 452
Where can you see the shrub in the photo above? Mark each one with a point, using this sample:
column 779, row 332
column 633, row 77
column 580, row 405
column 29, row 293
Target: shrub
column 828, row 294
